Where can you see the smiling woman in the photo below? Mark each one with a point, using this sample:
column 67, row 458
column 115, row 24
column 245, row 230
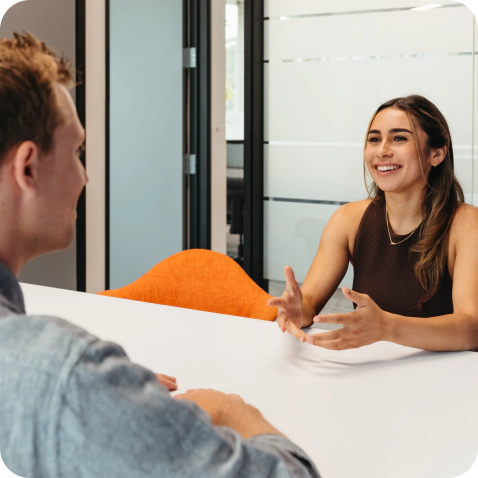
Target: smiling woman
column 412, row 244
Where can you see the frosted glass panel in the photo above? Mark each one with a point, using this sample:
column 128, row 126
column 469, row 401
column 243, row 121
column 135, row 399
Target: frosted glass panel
column 304, row 7
column 390, row 33
column 291, row 237
column 325, row 172
column 333, row 173
column 333, row 101
column 318, row 101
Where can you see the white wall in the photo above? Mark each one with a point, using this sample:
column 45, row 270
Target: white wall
column 95, row 144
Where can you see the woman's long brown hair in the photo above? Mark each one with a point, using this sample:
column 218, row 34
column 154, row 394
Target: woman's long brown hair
column 442, row 195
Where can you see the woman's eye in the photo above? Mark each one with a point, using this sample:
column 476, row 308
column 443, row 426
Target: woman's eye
column 373, row 140
column 400, row 138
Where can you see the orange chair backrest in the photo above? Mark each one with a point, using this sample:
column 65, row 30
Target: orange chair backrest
column 203, row 280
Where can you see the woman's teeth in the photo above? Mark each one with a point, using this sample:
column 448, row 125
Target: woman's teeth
column 387, row 168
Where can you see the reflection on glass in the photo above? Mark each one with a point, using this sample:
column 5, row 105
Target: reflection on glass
column 235, row 127
column 235, row 70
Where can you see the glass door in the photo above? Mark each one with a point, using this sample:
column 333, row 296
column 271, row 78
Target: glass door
column 146, row 136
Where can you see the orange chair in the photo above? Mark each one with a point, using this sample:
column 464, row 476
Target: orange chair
column 202, row 280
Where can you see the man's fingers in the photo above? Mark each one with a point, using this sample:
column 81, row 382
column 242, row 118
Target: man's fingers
column 169, row 384
column 168, row 381
column 169, row 377
column 236, row 397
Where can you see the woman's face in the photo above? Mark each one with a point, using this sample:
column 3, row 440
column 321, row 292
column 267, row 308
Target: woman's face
column 391, row 153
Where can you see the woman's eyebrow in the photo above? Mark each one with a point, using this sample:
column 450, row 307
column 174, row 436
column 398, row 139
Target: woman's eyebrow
column 399, row 130
column 390, row 131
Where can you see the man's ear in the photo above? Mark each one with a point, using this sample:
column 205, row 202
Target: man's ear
column 25, row 167
column 438, row 155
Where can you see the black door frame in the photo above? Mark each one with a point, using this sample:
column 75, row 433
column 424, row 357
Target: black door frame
column 197, row 117
column 254, row 141
column 80, row 53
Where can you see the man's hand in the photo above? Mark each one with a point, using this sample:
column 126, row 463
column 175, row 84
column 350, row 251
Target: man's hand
column 366, row 325
column 230, row 410
column 168, row 381
column 290, row 315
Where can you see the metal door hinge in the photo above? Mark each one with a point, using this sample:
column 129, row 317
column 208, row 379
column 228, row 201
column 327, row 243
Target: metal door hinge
column 189, row 57
column 189, row 164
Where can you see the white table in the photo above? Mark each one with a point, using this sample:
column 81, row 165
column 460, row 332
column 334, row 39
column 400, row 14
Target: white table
column 381, row 411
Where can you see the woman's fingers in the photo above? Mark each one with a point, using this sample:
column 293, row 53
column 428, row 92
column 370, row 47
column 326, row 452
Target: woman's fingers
column 282, row 321
column 343, row 319
column 319, row 339
column 296, row 332
column 292, row 286
column 276, row 302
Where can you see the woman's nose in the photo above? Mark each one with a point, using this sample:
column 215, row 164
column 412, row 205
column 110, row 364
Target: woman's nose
column 384, row 149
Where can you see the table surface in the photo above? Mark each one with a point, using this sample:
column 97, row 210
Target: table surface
column 381, row 411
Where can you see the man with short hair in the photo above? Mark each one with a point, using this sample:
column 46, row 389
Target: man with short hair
column 72, row 405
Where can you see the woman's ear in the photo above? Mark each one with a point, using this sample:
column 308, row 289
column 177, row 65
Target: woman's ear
column 25, row 167
column 437, row 155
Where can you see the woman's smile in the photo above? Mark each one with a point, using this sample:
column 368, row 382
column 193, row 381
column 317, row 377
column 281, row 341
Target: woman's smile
column 387, row 169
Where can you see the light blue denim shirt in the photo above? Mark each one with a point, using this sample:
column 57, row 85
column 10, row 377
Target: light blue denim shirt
column 74, row 406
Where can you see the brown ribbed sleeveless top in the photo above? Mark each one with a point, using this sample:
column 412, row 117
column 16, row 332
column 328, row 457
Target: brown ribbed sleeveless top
column 385, row 272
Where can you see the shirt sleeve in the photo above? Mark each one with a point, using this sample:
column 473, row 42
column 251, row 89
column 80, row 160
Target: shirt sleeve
column 117, row 420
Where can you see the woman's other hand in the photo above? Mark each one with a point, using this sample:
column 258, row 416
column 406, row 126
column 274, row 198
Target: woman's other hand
column 290, row 317
column 366, row 325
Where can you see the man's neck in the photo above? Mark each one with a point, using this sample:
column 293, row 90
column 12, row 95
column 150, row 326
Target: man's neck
column 11, row 259
column 13, row 253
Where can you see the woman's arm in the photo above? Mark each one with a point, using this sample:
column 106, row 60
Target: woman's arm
column 298, row 306
column 457, row 331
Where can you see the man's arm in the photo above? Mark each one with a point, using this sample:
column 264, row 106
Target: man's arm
column 117, row 420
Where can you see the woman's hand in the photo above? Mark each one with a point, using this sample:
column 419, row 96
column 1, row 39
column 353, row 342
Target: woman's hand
column 168, row 381
column 366, row 325
column 290, row 315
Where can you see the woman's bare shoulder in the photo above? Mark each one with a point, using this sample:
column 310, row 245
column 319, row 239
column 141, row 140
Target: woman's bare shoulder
column 353, row 211
column 465, row 221
column 346, row 220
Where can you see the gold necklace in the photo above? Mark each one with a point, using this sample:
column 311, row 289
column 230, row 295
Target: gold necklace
column 390, row 236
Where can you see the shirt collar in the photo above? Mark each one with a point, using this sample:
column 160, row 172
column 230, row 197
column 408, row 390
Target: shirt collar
column 11, row 296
